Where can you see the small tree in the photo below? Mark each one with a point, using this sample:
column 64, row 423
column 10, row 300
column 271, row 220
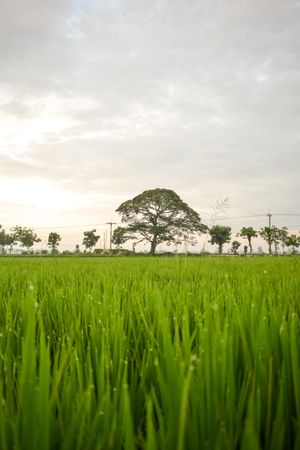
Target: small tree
column 6, row 240
column 3, row 239
column 273, row 236
column 283, row 235
column 120, row 236
column 276, row 238
column 77, row 248
column 159, row 216
column 219, row 236
column 53, row 241
column 293, row 241
column 235, row 246
column 26, row 236
column 266, row 234
column 217, row 212
column 248, row 233
column 90, row 239
column 10, row 242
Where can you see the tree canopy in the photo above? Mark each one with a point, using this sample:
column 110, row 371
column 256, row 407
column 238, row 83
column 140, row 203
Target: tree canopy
column 220, row 235
column 3, row 236
column 249, row 233
column 53, row 241
column 119, row 237
column 158, row 216
column 293, row 241
column 274, row 236
column 26, row 236
column 235, row 246
column 90, row 239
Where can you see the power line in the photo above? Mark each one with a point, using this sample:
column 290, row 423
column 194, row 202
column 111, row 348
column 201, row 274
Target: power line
column 237, row 217
column 253, row 215
column 205, row 219
column 71, row 226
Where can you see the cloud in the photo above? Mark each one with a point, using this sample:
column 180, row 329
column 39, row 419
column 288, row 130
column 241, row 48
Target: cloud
column 36, row 15
column 113, row 97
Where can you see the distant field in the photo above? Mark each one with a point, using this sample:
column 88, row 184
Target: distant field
column 150, row 353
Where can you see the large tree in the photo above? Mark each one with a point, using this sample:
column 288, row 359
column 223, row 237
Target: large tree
column 219, row 235
column 248, row 233
column 159, row 216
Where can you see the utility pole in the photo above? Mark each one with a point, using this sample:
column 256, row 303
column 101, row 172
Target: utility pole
column 104, row 240
column 270, row 248
column 110, row 233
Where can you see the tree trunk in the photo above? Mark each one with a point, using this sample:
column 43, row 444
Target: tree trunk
column 153, row 246
column 250, row 245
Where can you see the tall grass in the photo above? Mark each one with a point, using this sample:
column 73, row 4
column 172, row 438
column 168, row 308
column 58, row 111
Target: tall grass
column 150, row 353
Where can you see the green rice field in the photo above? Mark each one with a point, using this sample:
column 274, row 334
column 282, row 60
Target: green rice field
column 150, row 353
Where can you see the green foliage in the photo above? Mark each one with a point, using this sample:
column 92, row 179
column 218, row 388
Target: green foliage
column 159, row 216
column 2, row 233
column 26, row 236
column 277, row 236
column 120, row 236
column 293, row 241
column 235, row 246
column 248, row 233
column 53, row 241
column 90, row 239
column 282, row 237
column 2, row 239
column 6, row 240
column 154, row 354
column 274, row 236
column 219, row 235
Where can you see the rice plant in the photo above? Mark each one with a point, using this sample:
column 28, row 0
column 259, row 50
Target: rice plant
column 149, row 353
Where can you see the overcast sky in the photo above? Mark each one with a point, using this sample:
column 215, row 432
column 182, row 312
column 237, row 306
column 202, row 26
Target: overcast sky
column 102, row 99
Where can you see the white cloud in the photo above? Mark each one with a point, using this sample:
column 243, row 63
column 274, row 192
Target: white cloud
column 38, row 193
